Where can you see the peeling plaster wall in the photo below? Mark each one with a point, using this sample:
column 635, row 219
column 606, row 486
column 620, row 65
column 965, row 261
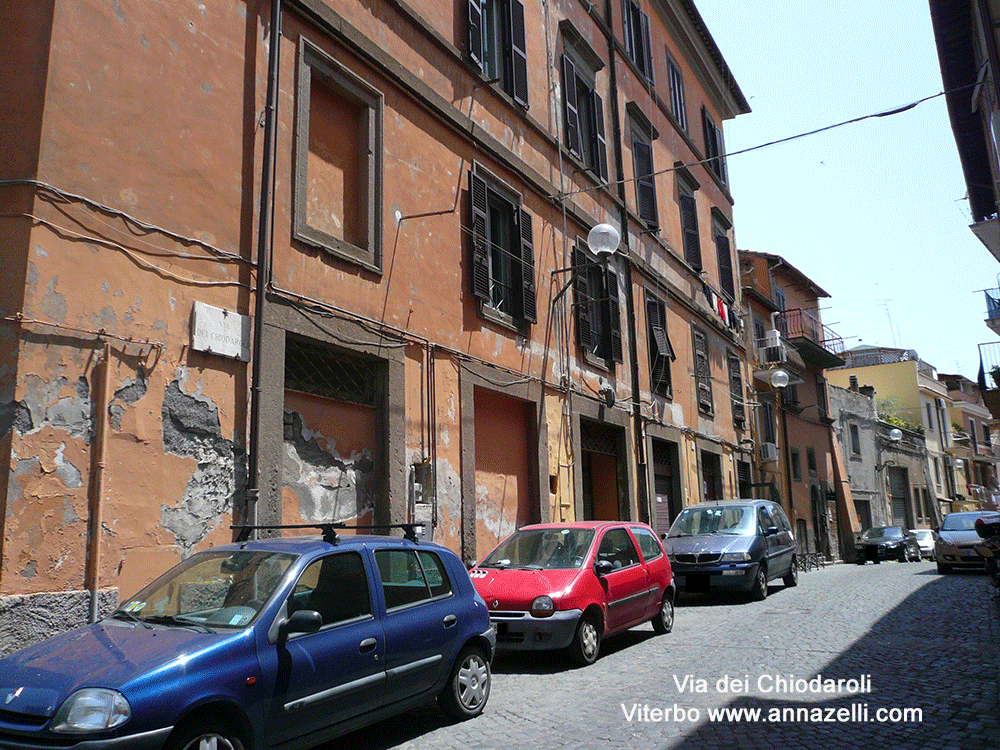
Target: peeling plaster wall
column 328, row 468
column 26, row 620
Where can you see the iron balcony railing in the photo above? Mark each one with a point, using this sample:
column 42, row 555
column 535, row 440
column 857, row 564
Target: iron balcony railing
column 800, row 323
column 992, row 304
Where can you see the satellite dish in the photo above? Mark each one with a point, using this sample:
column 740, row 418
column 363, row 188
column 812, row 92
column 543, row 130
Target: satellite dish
column 910, row 354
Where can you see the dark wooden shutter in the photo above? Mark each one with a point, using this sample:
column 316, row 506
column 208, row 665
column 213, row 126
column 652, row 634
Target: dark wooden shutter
column 689, row 224
column 528, row 311
column 702, row 371
column 627, row 28
column 644, row 185
column 614, row 316
column 660, row 351
column 646, row 60
column 571, row 109
column 480, row 242
column 581, row 299
column 520, row 53
column 602, row 144
column 725, row 265
column 476, row 32
column 736, row 391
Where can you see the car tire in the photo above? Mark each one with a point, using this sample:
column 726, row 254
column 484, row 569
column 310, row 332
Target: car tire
column 663, row 621
column 758, row 592
column 468, row 688
column 943, row 569
column 792, row 577
column 586, row 643
column 204, row 735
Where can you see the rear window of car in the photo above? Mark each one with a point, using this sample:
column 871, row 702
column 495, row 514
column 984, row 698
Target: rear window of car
column 648, row 544
column 405, row 581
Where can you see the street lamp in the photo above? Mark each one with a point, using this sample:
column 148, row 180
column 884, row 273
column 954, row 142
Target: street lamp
column 895, row 434
column 603, row 241
column 778, row 378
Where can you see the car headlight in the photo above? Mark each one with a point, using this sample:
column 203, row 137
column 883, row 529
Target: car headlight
column 736, row 557
column 543, row 606
column 91, row 710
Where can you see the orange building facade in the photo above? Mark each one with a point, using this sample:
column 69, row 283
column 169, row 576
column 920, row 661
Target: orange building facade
column 367, row 297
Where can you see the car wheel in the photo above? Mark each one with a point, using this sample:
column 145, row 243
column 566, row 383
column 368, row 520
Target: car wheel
column 759, row 590
column 943, row 569
column 587, row 642
column 205, row 736
column 792, row 577
column 467, row 691
column 663, row 621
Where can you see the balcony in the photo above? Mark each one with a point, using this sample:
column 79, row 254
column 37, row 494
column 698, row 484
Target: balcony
column 817, row 343
column 993, row 310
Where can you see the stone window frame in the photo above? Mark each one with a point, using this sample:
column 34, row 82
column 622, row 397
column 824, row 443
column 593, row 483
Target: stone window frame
column 314, row 61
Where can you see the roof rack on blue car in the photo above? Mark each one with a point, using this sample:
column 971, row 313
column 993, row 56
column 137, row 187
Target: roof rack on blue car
column 329, row 530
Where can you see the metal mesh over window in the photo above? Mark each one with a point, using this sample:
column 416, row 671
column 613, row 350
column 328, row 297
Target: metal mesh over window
column 329, row 373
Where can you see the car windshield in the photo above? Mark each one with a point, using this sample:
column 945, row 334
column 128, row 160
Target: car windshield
column 210, row 590
column 959, row 522
column 886, row 532
column 736, row 520
column 541, row 549
column 923, row 535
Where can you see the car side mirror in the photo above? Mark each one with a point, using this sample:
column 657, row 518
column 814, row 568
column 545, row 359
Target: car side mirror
column 602, row 568
column 302, row 621
column 663, row 535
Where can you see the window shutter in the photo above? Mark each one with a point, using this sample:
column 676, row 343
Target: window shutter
column 646, row 61
column 689, row 223
column 602, row 144
column 520, row 52
column 476, row 32
column 614, row 316
column 725, row 264
column 480, row 243
column 627, row 28
column 528, row 311
column 702, row 372
column 581, row 299
column 736, row 391
column 571, row 107
column 720, row 154
column 659, row 346
column 644, row 184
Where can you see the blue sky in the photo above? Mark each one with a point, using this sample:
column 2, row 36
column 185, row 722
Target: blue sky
column 873, row 212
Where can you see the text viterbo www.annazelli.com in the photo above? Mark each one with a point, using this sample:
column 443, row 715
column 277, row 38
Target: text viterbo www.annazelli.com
column 853, row 713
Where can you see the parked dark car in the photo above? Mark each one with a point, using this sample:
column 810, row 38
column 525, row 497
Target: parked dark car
column 955, row 548
column 886, row 543
column 553, row 586
column 735, row 544
column 284, row 642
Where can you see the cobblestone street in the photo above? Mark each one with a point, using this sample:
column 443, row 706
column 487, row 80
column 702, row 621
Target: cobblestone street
column 928, row 642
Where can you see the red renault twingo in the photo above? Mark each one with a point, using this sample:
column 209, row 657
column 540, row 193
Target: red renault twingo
column 553, row 586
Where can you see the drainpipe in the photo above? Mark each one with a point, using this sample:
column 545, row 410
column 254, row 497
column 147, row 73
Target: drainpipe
column 264, row 245
column 99, row 451
column 640, row 448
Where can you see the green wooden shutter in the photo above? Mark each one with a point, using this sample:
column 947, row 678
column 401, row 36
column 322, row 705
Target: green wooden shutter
column 689, row 224
column 614, row 316
column 528, row 304
column 476, row 32
column 480, row 275
column 571, row 107
column 581, row 299
column 602, row 144
column 520, row 53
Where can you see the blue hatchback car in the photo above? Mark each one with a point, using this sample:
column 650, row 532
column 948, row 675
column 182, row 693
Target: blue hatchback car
column 260, row 644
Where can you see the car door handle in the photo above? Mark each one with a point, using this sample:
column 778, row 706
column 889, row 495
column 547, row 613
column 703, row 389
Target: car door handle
column 367, row 645
column 450, row 620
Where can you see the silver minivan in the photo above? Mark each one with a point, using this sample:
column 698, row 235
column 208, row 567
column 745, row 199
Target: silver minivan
column 732, row 544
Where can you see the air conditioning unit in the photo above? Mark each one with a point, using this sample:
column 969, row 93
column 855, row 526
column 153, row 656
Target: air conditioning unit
column 772, row 338
column 768, row 452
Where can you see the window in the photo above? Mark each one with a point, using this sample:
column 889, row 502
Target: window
column 937, row 472
column 767, row 425
column 636, row 38
column 618, row 549
column 796, row 465
column 338, row 160
column 405, row 581
column 779, row 302
column 642, row 164
column 972, row 434
column 790, row 395
column 648, row 544
column 598, row 319
column 497, row 45
column 714, row 150
column 661, row 353
column 702, row 372
column 689, row 225
column 678, row 108
column 811, row 460
column 736, row 390
column 336, row 586
column 583, row 112
column 930, row 417
column 821, row 395
column 855, row 440
column 503, row 265
column 725, row 260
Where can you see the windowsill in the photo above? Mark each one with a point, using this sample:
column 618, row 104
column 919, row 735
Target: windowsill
column 330, row 245
column 499, row 318
column 608, row 365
